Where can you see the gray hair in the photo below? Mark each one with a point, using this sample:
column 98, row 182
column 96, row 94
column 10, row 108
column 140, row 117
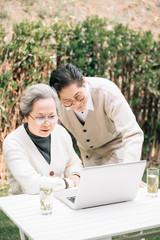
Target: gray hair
column 32, row 94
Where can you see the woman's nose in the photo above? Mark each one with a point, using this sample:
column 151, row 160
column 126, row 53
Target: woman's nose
column 46, row 122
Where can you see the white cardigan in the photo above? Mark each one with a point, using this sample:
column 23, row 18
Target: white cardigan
column 27, row 167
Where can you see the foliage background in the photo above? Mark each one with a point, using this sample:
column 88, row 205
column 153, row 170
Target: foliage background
column 127, row 57
column 29, row 50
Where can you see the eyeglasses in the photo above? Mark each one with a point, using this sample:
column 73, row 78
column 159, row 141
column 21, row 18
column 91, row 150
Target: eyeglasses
column 78, row 98
column 41, row 120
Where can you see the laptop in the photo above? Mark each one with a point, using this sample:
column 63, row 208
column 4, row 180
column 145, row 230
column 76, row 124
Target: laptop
column 105, row 184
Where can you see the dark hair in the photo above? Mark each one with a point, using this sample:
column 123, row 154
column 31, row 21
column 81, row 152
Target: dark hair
column 64, row 76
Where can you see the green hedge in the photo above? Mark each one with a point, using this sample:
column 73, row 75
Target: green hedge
column 130, row 59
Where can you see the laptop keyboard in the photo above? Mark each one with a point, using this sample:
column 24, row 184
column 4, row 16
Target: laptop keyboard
column 72, row 199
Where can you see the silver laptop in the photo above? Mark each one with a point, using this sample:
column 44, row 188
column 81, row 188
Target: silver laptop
column 104, row 184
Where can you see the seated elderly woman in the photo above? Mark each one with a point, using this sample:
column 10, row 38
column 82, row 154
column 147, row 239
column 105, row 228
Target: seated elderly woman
column 40, row 150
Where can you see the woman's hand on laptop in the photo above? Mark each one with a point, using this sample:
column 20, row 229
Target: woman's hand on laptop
column 142, row 184
column 63, row 183
column 75, row 178
column 58, row 184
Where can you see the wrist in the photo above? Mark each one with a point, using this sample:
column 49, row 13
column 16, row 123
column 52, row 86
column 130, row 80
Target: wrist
column 68, row 182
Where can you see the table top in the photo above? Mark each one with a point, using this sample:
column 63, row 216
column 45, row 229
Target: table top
column 92, row 223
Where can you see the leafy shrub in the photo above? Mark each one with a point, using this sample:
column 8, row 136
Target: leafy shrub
column 128, row 58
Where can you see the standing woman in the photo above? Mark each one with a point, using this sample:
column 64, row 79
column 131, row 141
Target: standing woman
column 40, row 149
column 94, row 110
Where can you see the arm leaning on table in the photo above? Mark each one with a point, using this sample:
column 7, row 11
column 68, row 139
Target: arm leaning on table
column 27, row 167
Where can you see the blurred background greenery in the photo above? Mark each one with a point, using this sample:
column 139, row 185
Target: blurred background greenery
column 115, row 39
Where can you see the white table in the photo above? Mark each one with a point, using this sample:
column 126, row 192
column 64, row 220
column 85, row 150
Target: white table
column 92, row 223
